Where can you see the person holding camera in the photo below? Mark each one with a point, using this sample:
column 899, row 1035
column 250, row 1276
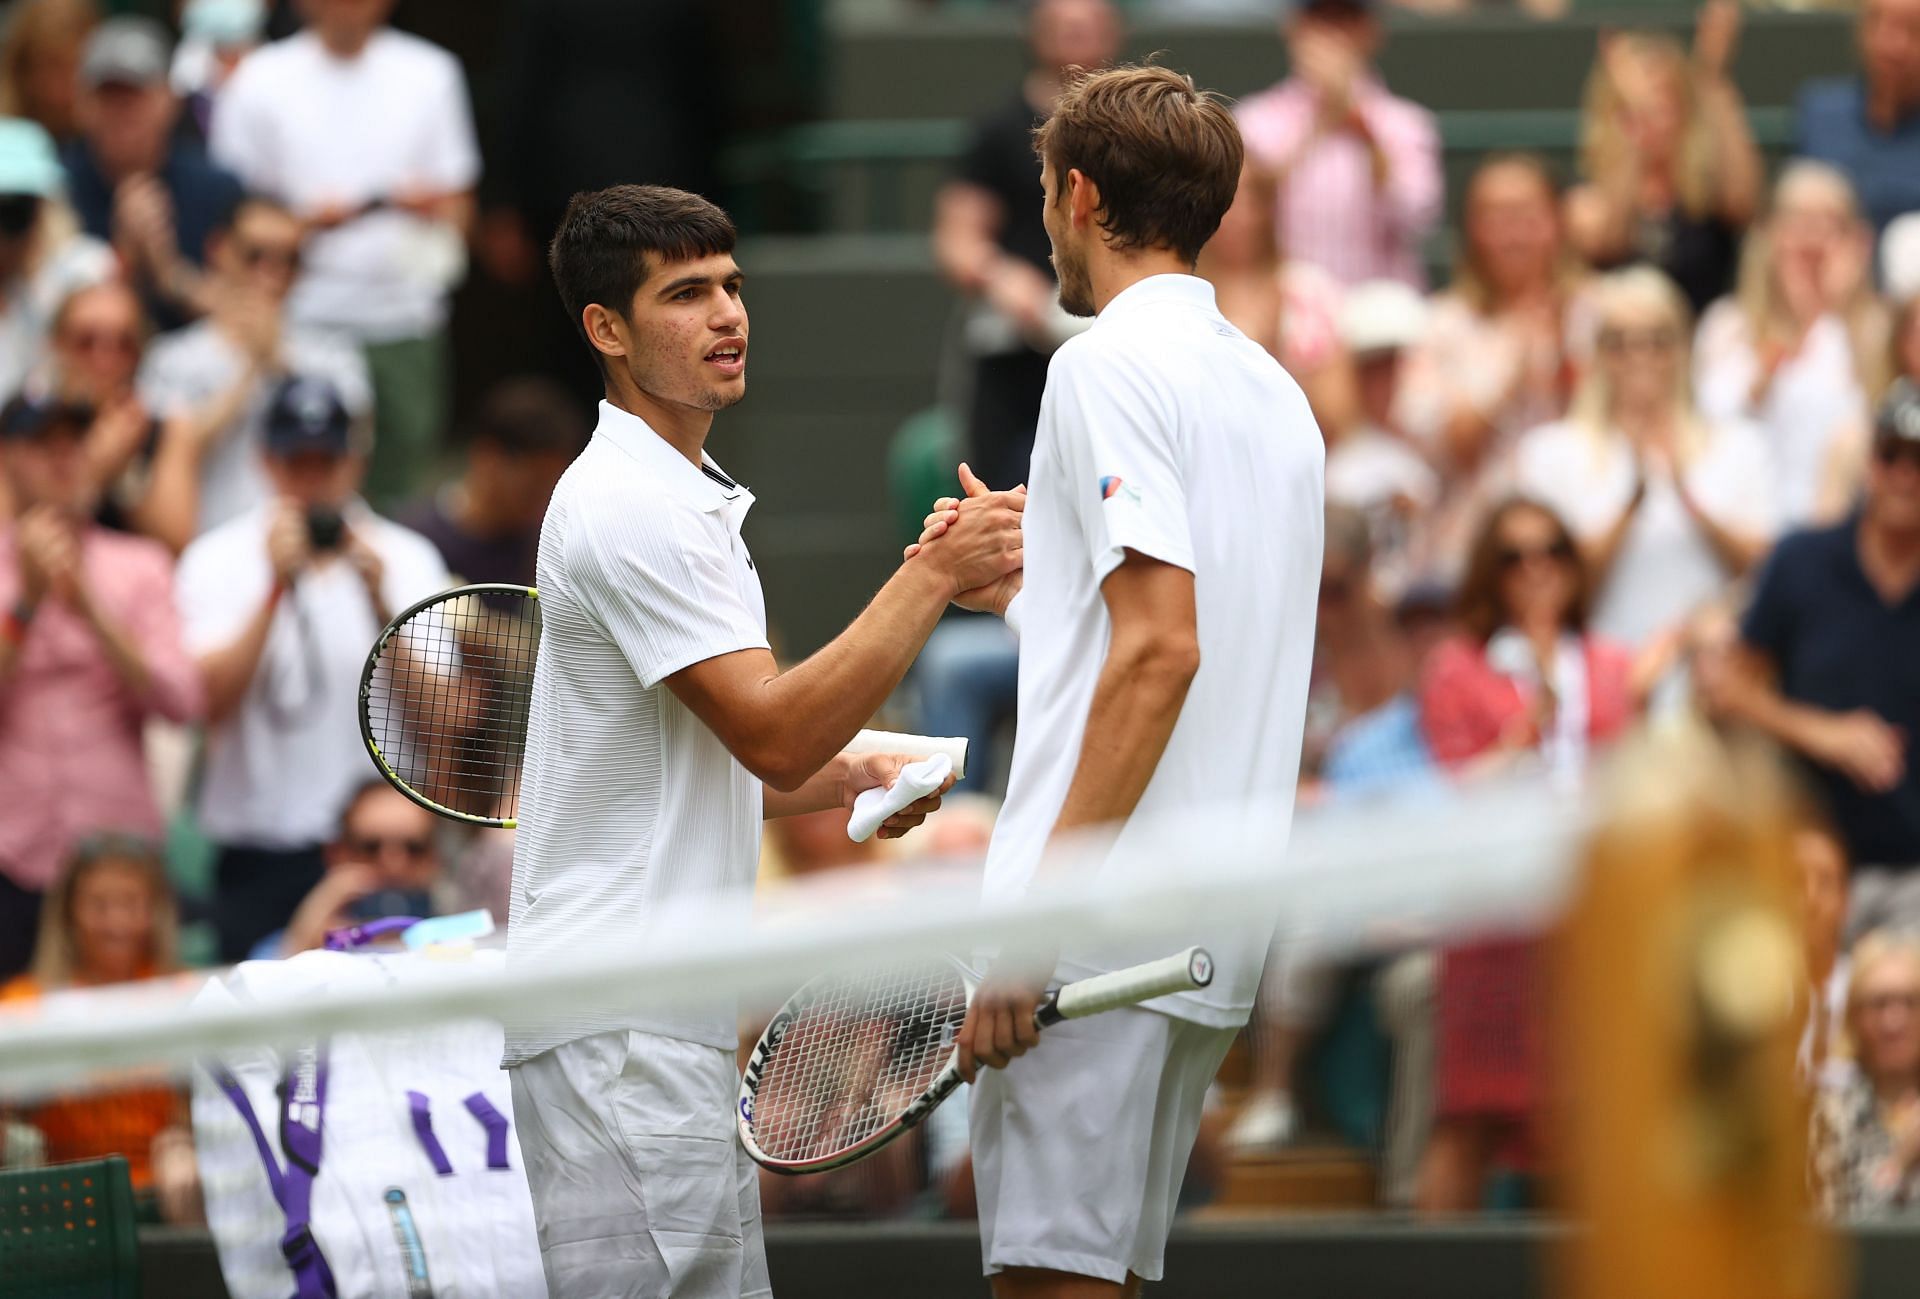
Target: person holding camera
column 280, row 606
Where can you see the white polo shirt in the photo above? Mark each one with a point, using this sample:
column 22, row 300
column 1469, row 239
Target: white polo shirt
column 280, row 768
column 628, row 802
column 1166, row 431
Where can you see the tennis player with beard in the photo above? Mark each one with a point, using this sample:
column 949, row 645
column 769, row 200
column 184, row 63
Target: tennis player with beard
column 661, row 733
column 1173, row 537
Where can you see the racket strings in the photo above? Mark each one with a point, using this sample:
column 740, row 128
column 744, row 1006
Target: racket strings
column 855, row 1057
column 448, row 700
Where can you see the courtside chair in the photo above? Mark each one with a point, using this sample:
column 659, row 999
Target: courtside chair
column 67, row 1232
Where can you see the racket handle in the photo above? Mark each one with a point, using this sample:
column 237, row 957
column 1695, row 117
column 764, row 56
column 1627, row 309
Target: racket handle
column 913, row 746
column 1183, row 972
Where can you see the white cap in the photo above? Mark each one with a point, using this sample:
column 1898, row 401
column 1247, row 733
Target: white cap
column 1900, row 257
column 1382, row 316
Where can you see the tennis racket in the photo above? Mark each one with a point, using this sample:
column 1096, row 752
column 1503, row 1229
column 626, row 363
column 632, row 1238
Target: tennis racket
column 444, row 699
column 853, row 1061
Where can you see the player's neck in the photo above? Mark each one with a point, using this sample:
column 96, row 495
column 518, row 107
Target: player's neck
column 683, row 428
column 1114, row 273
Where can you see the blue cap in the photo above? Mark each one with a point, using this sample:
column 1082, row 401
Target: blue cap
column 306, row 415
column 224, row 22
column 28, row 164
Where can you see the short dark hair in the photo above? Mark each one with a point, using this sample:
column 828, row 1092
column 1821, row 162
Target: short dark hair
column 602, row 252
column 1165, row 155
column 528, row 416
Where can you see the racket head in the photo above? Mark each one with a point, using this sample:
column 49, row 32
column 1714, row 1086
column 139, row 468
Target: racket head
column 444, row 698
column 851, row 1062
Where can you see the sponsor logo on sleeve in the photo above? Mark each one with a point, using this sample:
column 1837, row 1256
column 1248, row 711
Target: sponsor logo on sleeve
column 1113, row 485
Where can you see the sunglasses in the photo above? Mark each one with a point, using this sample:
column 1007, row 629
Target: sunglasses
column 125, row 342
column 374, row 845
column 254, row 256
column 18, row 214
column 1622, row 341
column 1890, row 451
column 1513, row 558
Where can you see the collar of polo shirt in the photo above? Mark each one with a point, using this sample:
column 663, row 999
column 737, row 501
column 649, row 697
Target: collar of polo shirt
column 1155, row 289
column 707, row 489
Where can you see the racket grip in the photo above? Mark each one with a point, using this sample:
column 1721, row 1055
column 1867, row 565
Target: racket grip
column 1183, row 972
column 913, row 746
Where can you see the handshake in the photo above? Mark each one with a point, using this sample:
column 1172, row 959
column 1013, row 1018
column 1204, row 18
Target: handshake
column 975, row 540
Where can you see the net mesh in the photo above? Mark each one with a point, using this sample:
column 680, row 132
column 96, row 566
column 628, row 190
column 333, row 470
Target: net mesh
column 447, row 699
column 859, row 1049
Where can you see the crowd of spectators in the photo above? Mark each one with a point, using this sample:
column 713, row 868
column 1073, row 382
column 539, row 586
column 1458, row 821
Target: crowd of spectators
column 1652, row 453
column 1652, row 450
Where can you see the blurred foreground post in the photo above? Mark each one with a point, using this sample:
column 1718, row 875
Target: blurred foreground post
column 1681, row 995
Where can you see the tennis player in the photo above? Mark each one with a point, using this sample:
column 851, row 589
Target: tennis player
column 661, row 733
column 1173, row 532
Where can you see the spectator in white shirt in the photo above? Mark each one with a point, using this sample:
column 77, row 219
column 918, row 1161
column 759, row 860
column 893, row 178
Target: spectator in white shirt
column 213, row 379
column 1799, row 349
column 280, row 606
column 367, row 134
column 1669, row 505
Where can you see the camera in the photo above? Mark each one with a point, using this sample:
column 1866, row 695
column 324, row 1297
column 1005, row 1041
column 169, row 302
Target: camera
column 324, row 528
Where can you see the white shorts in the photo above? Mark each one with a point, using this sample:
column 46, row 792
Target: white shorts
column 1080, row 1145
column 640, row 1188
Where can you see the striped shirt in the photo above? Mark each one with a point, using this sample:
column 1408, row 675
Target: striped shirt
column 628, row 803
column 1330, row 213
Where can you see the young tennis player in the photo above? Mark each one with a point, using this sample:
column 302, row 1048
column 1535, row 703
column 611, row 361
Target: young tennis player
column 1173, row 532
column 661, row 733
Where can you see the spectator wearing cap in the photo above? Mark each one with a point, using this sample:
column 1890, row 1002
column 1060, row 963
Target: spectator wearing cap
column 212, row 380
column 43, row 255
column 1869, row 127
column 1831, row 667
column 1358, row 167
column 486, row 522
column 280, row 606
column 366, row 133
column 1373, row 467
column 90, row 648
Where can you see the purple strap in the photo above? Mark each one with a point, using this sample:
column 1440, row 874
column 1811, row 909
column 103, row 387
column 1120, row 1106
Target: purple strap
column 346, row 940
column 423, row 1128
column 303, row 1102
column 496, row 1125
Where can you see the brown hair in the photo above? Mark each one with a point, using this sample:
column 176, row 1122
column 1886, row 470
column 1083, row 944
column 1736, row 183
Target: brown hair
column 34, row 26
column 1904, row 319
column 1481, row 610
column 1470, row 282
column 53, row 951
column 1165, row 155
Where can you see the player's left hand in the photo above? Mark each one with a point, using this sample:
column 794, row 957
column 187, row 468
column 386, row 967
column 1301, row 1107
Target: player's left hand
column 875, row 770
column 999, row 1024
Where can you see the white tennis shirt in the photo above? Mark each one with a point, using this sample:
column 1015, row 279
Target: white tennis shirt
column 628, row 803
column 1166, row 431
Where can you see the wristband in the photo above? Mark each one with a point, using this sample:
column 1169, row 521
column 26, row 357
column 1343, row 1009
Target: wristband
column 13, row 627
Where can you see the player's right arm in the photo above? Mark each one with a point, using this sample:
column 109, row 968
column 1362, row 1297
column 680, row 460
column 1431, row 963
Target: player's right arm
column 785, row 726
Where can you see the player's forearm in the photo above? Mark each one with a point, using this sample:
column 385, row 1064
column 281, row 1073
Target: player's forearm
column 1136, row 703
column 811, row 712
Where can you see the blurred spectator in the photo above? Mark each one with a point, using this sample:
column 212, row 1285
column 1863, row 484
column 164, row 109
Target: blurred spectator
column 1802, row 344
column 1904, row 353
column 1526, row 683
column 367, row 135
column 40, row 62
column 214, row 36
column 133, row 179
column 43, row 255
column 384, row 861
column 1900, row 258
column 1870, row 127
column 280, row 605
column 486, row 522
column 1833, row 670
column 1669, row 507
column 93, row 353
column 1670, row 172
column 1288, row 307
column 1373, row 466
column 1358, row 167
column 1866, row 1147
column 89, row 648
column 211, row 381
column 111, row 918
column 1822, row 858
column 1501, row 346
column 992, row 247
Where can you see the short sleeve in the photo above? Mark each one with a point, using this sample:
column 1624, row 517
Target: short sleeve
column 217, row 589
column 240, row 137
column 164, row 386
column 414, row 569
column 660, row 581
column 1770, row 615
column 1115, row 435
column 1742, row 489
column 454, row 161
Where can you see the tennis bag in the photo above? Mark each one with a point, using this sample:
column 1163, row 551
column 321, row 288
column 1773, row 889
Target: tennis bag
column 368, row 1165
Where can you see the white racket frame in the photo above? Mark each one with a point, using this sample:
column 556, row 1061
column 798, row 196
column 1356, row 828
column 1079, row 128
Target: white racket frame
column 1182, row 972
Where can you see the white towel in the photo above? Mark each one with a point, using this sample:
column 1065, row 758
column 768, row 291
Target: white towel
column 915, row 781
